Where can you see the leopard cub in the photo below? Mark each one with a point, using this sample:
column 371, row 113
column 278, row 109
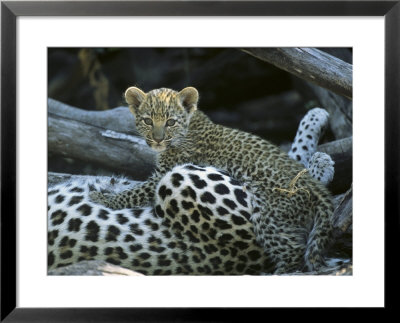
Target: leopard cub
column 293, row 229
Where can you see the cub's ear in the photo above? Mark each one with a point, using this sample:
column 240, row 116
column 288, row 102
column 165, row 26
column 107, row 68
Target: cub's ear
column 189, row 97
column 134, row 97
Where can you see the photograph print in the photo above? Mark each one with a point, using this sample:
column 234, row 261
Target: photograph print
column 199, row 161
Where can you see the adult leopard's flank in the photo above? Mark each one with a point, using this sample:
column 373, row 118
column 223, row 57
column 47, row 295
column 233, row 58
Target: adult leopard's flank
column 293, row 230
column 180, row 235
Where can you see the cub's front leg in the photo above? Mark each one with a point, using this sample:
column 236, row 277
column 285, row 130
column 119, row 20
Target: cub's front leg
column 140, row 195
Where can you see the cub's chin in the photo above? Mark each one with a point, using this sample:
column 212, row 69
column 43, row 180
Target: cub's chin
column 158, row 148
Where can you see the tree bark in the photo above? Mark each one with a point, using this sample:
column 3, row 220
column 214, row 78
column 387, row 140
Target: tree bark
column 343, row 215
column 311, row 65
column 340, row 109
column 118, row 119
column 93, row 268
column 341, row 152
column 342, row 237
column 74, row 139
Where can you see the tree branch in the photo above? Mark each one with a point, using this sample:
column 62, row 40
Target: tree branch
column 310, row 64
column 340, row 109
column 71, row 138
column 341, row 152
column 118, row 119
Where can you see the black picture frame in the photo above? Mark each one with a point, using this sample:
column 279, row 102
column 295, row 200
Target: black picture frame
column 10, row 10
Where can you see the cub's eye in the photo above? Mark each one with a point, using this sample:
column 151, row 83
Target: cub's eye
column 170, row 122
column 148, row 121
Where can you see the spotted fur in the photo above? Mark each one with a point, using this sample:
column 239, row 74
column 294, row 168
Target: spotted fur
column 321, row 167
column 293, row 230
column 311, row 128
column 197, row 226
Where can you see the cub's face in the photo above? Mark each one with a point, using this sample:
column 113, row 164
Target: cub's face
column 162, row 115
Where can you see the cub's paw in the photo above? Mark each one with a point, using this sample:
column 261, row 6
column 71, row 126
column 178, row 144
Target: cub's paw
column 321, row 167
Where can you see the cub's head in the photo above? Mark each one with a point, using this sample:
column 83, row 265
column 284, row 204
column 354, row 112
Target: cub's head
column 162, row 115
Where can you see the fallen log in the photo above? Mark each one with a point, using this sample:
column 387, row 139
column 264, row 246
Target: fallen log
column 340, row 109
column 92, row 268
column 310, row 64
column 74, row 139
column 341, row 152
column 342, row 238
column 118, row 119
column 343, row 214
column 325, row 77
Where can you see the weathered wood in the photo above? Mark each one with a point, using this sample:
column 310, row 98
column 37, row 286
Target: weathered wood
column 340, row 109
column 310, row 64
column 342, row 238
column 340, row 270
column 93, row 268
column 321, row 75
column 74, row 139
column 118, row 119
column 342, row 147
column 341, row 152
column 343, row 215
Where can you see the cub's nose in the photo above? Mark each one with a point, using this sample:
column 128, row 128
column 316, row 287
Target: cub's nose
column 158, row 139
column 158, row 134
